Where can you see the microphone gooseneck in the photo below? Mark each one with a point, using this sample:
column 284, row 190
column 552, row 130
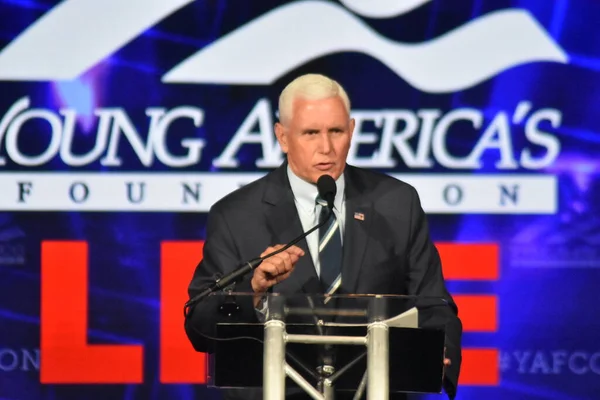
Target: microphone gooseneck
column 327, row 191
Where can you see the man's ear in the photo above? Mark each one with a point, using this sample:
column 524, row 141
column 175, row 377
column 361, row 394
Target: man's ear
column 281, row 134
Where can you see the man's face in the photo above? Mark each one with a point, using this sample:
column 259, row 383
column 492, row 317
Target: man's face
column 317, row 138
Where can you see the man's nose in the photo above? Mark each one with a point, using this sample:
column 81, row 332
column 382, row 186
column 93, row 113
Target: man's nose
column 326, row 144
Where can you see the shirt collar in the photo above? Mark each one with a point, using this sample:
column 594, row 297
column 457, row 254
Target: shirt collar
column 306, row 193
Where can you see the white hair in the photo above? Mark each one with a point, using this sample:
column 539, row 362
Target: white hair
column 309, row 87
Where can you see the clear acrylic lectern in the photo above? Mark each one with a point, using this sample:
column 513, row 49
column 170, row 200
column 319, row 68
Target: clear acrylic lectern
column 373, row 344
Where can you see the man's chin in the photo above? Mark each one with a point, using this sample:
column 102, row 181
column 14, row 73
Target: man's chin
column 333, row 173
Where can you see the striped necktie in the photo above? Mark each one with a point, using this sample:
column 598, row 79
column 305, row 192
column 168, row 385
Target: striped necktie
column 330, row 250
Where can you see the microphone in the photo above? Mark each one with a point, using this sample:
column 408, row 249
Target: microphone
column 327, row 191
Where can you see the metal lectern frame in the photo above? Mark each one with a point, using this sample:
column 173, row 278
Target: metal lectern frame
column 276, row 369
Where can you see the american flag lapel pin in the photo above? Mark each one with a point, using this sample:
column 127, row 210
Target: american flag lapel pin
column 359, row 216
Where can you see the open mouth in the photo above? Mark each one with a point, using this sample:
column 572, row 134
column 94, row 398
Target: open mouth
column 324, row 166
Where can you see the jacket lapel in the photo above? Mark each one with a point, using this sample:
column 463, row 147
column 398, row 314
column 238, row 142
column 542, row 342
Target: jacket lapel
column 359, row 214
column 284, row 225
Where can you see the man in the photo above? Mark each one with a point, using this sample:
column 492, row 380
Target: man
column 380, row 232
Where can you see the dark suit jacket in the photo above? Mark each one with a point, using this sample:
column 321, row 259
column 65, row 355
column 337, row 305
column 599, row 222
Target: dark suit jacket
column 389, row 252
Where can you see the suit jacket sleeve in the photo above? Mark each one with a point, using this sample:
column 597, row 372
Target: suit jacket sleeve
column 425, row 278
column 220, row 256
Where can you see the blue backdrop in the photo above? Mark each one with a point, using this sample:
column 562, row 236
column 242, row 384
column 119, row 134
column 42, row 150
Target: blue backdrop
column 121, row 122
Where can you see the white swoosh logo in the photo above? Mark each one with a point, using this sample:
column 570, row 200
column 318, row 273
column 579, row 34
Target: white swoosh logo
column 382, row 8
column 460, row 59
column 77, row 34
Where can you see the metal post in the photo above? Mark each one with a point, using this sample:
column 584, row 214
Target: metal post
column 378, row 379
column 328, row 389
column 303, row 383
column 274, row 361
column 361, row 387
column 325, row 384
column 317, row 339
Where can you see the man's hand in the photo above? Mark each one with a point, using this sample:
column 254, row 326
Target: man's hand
column 274, row 269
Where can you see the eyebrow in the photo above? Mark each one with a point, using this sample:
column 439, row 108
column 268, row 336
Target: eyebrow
column 310, row 130
column 315, row 130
